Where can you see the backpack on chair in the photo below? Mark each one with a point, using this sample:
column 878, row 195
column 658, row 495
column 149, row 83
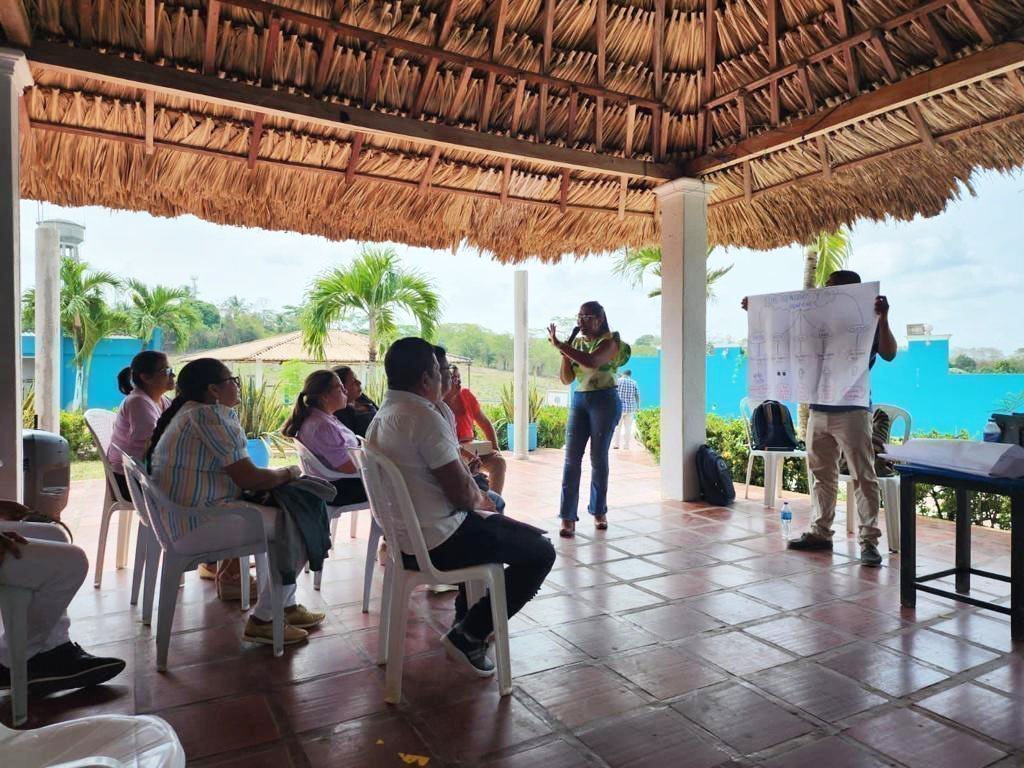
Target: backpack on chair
column 771, row 428
column 714, row 478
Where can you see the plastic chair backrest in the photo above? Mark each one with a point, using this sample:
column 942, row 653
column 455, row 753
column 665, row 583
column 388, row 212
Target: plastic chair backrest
column 101, row 426
column 132, row 468
column 311, row 465
column 160, row 510
column 894, row 412
column 392, row 507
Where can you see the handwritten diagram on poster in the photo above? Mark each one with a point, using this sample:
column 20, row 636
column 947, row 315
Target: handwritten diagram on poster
column 812, row 346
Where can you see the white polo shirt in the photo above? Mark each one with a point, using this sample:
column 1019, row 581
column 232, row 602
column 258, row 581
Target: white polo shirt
column 410, row 431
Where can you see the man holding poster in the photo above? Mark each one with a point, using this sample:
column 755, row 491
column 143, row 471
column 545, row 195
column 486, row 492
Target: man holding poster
column 818, row 347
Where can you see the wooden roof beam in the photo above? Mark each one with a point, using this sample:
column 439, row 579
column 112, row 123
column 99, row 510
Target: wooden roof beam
column 150, row 121
column 970, row 11
column 657, row 48
column 323, row 65
column 428, row 174
column 269, row 53
column 430, row 73
column 123, row 71
column 506, row 178
column 84, row 11
column 149, row 50
column 706, row 137
column 149, row 30
column 210, row 44
column 878, row 43
column 936, row 37
column 353, row 157
column 563, row 191
column 373, row 81
column 498, row 31
column 14, row 20
column 461, row 92
column 984, row 64
column 1016, row 82
column 850, row 63
column 601, row 30
column 773, row 14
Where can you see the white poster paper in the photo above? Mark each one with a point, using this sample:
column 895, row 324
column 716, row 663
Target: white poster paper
column 812, row 346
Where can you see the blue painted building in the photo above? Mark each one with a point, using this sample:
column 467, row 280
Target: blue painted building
column 111, row 355
column 918, row 380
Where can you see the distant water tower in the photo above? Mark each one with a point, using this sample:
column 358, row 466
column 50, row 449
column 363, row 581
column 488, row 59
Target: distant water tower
column 71, row 236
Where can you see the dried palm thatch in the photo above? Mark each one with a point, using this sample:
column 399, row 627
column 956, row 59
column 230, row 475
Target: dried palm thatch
column 656, row 81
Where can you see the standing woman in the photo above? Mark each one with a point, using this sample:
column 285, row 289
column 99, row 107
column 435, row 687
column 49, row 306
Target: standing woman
column 592, row 361
column 145, row 382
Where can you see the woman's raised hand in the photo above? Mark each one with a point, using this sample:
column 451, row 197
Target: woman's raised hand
column 553, row 335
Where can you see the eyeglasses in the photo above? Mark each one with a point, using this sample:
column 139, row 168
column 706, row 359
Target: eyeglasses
column 585, row 317
column 169, row 371
column 236, row 379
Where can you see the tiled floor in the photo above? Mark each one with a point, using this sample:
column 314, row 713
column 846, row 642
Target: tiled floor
column 683, row 636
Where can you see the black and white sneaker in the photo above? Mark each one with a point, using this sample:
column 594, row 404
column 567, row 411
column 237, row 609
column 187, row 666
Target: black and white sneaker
column 471, row 654
column 869, row 555
column 67, row 667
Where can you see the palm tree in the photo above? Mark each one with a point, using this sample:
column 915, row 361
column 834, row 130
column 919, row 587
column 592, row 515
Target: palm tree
column 85, row 316
column 374, row 287
column 161, row 307
column 634, row 264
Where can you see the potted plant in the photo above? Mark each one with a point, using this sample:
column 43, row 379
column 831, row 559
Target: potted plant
column 261, row 413
column 508, row 410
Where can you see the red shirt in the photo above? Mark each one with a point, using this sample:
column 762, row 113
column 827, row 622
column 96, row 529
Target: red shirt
column 466, row 409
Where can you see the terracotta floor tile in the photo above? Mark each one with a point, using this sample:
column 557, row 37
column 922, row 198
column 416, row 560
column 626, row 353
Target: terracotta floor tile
column 632, row 568
column 1008, row 678
column 653, row 525
column 980, row 629
column 470, row 730
column 996, row 715
column 799, row 635
column 616, row 598
column 330, row 700
column 886, row 670
column 322, row 656
column 665, row 672
column 887, row 600
column 578, row 695
column 200, row 646
column 742, row 718
column 201, row 727
column 537, row 651
column 920, row 742
column 370, row 742
column 559, row 609
column 574, row 579
column 940, row 650
column 598, row 552
column 854, row 619
column 831, row 751
column 681, row 559
column 187, row 685
column 641, row 545
column 726, row 575
column 653, row 739
column 725, row 552
column 764, row 544
column 784, row 594
column 779, row 564
column 673, row 622
column 731, row 607
column 677, row 585
column 432, row 680
column 823, row 693
column 604, row 635
column 736, row 652
column 838, row 582
column 420, row 637
column 276, row 755
column 554, row 754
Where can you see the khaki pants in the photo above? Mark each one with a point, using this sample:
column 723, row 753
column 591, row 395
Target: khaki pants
column 494, row 465
column 624, row 431
column 849, row 433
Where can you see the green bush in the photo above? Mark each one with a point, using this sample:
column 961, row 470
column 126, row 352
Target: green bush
column 74, row 429
column 550, row 425
column 647, row 424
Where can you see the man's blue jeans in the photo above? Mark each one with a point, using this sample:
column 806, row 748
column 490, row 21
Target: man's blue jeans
column 592, row 418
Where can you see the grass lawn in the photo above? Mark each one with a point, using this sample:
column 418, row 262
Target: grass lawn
column 93, row 470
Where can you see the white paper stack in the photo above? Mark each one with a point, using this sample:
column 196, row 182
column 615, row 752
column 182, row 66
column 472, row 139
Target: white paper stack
column 992, row 459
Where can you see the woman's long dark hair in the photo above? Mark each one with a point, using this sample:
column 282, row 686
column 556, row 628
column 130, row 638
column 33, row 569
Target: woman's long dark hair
column 597, row 309
column 148, row 362
column 342, row 372
column 316, row 385
column 193, row 382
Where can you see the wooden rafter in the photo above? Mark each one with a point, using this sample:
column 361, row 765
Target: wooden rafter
column 805, row 90
column 255, row 134
column 353, row 157
column 623, row 189
column 936, row 37
column 488, row 102
column 498, row 31
column 970, row 11
column 748, row 182
column 210, row 44
column 273, row 37
column 86, row 31
column 149, row 50
column 707, row 137
column 982, row 65
column 742, row 114
column 1016, row 82
column 601, row 30
column 430, row 74
column 149, row 30
column 506, row 178
column 657, row 48
column 563, row 191
column 517, row 106
column 428, row 174
column 826, row 164
column 14, row 20
column 572, row 116
column 850, row 63
column 150, row 121
column 549, row 33
column 775, row 107
column 461, row 91
column 323, row 65
column 373, row 81
column 599, row 124
column 878, row 43
column 249, row 98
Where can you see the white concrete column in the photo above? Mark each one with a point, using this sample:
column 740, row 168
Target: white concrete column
column 14, row 78
column 48, row 335
column 683, row 333
column 520, row 368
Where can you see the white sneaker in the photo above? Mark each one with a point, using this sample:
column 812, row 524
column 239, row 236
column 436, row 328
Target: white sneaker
column 438, row 589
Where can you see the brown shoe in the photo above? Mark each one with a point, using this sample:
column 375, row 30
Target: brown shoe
column 263, row 633
column 230, row 591
column 601, row 522
column 568, row 529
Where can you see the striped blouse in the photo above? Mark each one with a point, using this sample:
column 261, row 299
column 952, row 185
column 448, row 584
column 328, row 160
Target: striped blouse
column 188, row 462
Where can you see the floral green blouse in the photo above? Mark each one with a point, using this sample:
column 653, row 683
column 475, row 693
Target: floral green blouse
column 604, row 377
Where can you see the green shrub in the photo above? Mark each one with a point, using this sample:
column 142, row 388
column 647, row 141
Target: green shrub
column 550, row 421
column 74, row 429
column 647, row 423
column 260, row 410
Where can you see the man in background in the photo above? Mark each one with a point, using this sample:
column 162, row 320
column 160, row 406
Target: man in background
column 629, row 396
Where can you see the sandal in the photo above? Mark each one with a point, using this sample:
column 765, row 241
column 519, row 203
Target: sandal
column 601, row 523
column 568, row 529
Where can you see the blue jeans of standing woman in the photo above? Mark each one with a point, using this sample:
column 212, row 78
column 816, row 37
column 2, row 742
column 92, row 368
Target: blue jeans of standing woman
column 593, row 417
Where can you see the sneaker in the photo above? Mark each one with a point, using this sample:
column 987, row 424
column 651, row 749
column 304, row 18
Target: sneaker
column 469, row 653
column 438, row 589
column 869, row 555
column 810, row 541
column 300, row 616
column 67, row 667
column 258, row 632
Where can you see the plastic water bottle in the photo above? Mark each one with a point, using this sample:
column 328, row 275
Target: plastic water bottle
column 992, row 433
column 786, row 516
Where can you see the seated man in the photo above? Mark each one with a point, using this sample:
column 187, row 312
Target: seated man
column 37, row 556
column 467, row 412
column 411, row 432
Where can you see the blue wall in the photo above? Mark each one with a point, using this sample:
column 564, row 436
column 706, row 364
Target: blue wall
column 917, row 380
column 111, row 355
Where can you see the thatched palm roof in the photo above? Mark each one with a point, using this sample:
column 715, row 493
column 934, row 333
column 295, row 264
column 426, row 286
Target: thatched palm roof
column 522, row 127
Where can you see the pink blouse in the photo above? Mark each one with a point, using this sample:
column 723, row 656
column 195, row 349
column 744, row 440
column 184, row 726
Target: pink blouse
column 327, row 438
column 134, row 425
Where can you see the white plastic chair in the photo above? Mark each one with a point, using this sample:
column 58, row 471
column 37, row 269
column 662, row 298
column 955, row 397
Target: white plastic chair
column 147, row 548
column 773, row 460
column 236, row 530
column 14, row 603
column 101, row 426
column 394, row 511
column 889, row 487
column 111, row 741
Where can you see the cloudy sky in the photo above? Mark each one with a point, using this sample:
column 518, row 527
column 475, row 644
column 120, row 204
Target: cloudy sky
column 960, row 271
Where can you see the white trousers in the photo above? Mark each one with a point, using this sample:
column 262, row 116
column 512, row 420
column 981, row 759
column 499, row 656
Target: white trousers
column 624, row 429
column 54, row 570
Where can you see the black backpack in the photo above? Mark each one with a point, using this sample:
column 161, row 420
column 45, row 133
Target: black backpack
column 771, row 428
column 714, row 477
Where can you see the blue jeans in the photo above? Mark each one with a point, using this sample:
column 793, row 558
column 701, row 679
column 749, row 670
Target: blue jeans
column 593, row 417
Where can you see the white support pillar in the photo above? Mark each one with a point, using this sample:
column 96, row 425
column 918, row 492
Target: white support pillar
column 48, row 335
column 683, row 333
column 14, row 78
column 520, row 368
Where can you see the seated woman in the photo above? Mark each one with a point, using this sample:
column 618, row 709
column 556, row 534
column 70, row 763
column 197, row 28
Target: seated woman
column 145, row 383
column 199, row 457
column 360, row 410
column 312, row 424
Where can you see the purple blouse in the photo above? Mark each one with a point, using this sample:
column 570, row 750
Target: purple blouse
column 327, row 438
